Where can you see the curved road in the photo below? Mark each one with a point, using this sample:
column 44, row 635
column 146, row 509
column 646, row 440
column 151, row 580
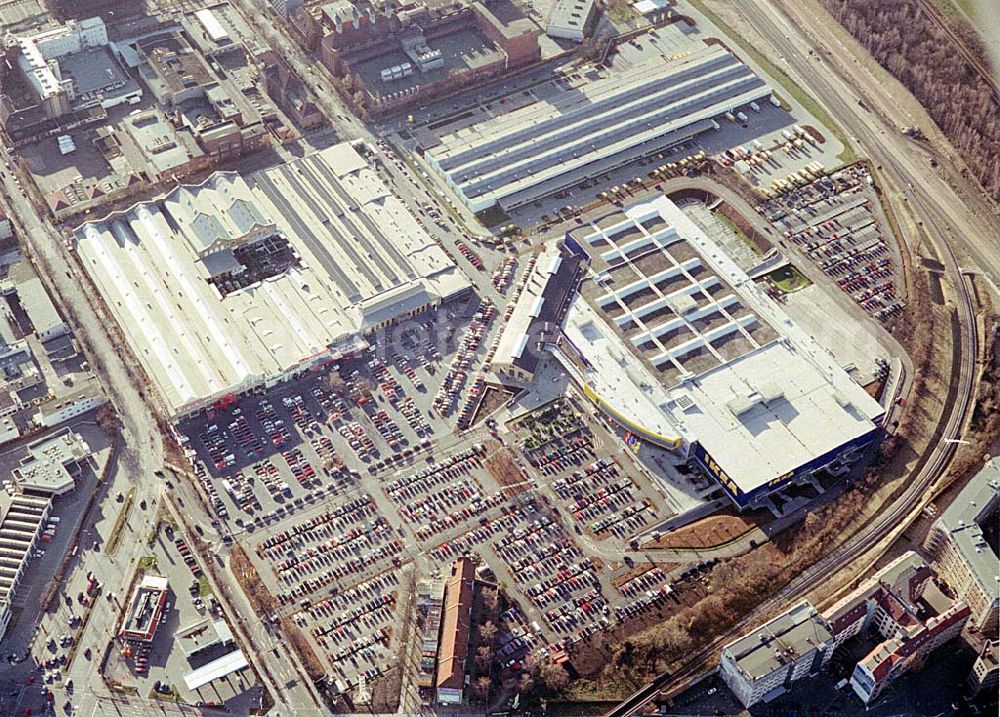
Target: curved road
column 944, row 224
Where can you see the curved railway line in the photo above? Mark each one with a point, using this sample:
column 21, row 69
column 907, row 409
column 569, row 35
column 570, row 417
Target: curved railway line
column 931, row 465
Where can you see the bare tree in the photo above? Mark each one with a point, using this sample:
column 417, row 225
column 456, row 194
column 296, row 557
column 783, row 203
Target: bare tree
column 484, row 655
column 487, row 631
column 553, row 677
column 335, row 382
column 107, row 419
column 481, row 687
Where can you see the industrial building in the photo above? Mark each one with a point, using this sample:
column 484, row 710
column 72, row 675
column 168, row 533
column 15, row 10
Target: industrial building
column 571, row 19
column 964, row 554
column 673, row 341
column 763, row 663
column 59, row 76
column 514, row 158
column 23, row 517
column 240, row 282
column 53, row 464
column 145, row 609
column 406, row 55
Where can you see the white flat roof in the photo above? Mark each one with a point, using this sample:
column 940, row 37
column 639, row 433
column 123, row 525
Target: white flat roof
column 515, row 335
column 225, row 665
column 211, row 24
column 38, row 305
column 360, row 253
column 617, row 375
column 759, row 434
column 760, row 415
column 570, row 14
column 646, row 6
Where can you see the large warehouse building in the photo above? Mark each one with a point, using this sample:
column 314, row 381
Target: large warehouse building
column 517, row 157
column 236, row 283
column 674, row 341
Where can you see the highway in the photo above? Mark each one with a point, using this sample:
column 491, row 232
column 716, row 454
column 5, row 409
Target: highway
column 946, row 219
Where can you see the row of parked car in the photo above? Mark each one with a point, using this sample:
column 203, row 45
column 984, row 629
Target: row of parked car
column 458, row 372
column 353, row 566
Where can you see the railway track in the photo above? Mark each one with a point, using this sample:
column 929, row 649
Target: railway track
column 929, row 468
column 932, row 466
column 928, row 9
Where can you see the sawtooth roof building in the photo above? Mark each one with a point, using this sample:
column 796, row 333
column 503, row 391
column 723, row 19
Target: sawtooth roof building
column 22, row 518
column 677, row 344
column 234, row 283
column 534, row 151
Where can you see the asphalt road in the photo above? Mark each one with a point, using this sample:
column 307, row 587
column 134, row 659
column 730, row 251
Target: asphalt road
column 839, row 85
column 947, row 220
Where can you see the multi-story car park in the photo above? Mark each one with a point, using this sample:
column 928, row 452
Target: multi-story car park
column 238, row 283
column 534, row 151
column 710, row 366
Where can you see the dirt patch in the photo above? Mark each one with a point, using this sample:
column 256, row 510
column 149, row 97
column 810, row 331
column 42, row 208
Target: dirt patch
column 706, row 533
column 875, row 388
column 590, row 656
column 761, row 243
column 636, row 571
column 501, row 465
column 314, row 668
column 385, row 691
column 248, row 578
column 493, row 399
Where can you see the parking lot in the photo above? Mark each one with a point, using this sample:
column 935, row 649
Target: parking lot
column 332, row 544
column 270, row 454
column 329, row 549
column 836, row 221
column 185, row 639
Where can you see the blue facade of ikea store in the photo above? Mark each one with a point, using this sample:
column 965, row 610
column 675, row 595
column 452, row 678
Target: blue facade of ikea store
column 745, row 500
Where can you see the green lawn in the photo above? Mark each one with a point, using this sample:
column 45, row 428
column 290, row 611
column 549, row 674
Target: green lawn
column 788, row 279
column 204, row 589
column 147, row 563
column 789, row 85
column 621, row 13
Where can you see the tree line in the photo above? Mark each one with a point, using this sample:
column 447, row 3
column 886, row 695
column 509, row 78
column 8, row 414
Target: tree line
column 920, row 54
